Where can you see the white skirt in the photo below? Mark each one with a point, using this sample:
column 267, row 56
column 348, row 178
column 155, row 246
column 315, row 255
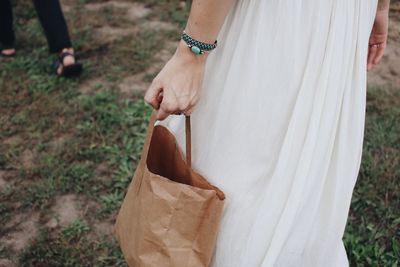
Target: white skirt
column 279, row 128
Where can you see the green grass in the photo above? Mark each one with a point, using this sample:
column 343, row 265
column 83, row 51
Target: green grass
column 88, row 143
column 372, row 236
column 71, row 135
column 71, row 247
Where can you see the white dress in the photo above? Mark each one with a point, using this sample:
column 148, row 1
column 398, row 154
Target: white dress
column 279, row 128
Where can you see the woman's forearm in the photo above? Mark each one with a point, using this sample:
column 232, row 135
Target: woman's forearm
column 206, row 18
column 383, row 5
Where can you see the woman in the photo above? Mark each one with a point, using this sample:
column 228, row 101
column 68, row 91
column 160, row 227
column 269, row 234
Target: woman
column 279, row 122
column 55, row 28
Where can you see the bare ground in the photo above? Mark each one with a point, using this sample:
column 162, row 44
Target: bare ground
column 387, row 73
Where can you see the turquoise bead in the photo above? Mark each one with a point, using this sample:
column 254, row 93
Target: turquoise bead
column 196, row 50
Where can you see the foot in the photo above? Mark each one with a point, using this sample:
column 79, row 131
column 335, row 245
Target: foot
column 68, row 60
column 8, row 52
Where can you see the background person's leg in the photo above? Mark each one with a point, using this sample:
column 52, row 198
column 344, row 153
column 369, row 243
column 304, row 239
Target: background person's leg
column 7, row 36
column 53, row 23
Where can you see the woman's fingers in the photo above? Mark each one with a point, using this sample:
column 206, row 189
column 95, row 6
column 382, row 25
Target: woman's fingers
column 175, row 102
column 168, row 105
column 371, row 56
column 189, row 109
column 153, row 95
column 162, row 113
column 168, row 108
column 379, row 53
column 375, row 54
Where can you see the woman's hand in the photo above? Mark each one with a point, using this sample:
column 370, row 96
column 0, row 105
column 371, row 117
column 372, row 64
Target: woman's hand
column 378, row 38
column 177, row 87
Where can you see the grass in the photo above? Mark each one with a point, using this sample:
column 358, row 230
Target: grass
column 71, row 247
column 372, row 235
column 58, row 138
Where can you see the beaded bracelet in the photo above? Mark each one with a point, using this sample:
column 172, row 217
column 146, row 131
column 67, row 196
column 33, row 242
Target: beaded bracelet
column 196, row 46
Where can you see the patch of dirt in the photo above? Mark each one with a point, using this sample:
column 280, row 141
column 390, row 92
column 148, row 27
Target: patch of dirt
column 104, row 228
column 387, row 72
column 102, row 168
column 108, row 34
column 161, row 58
column 3, row 182
column 6, row 178
column 66, row 209
column 133, row 11
column 68, row 3
column 12, row 140
column 23, row 230
column 157, row 25
column 134, row 84
column 60, row 140
column 102, row 173
column 113, row 4
column 166, row 53
column 27, row 159
column 91, row 86
column 66, row 8
column 6, row 263
column 130, row 11
column 137, row 11
column 90, row 207
column 137, row 83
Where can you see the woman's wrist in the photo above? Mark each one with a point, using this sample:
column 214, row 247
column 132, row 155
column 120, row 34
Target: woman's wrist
column 382, row 14
column 184, row 52
column 383, row 11
column 383, row 6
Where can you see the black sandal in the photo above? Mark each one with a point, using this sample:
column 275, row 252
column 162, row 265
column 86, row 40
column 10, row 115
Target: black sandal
column 74, row 69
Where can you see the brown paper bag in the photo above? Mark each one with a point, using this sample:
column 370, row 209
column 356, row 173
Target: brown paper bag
column 170, row 215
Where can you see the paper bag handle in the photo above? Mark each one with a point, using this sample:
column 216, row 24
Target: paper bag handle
column 188, row 139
